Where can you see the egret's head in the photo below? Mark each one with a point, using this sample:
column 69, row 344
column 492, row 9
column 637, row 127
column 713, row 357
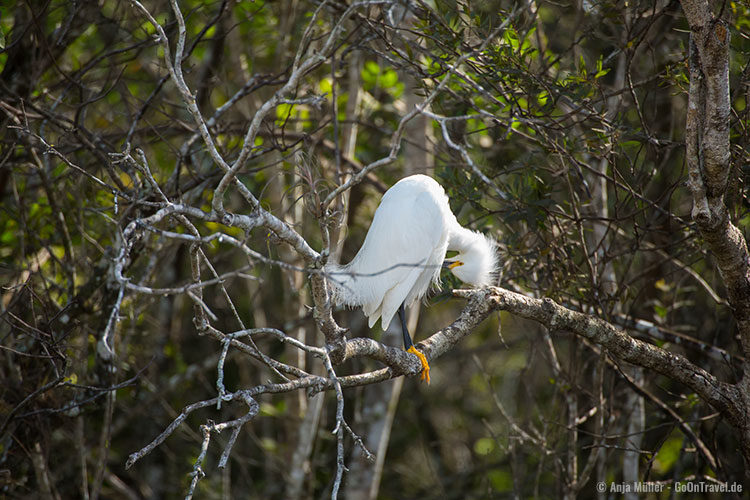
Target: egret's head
column 476, row 260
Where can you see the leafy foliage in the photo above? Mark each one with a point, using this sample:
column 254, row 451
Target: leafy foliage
column 573, row 116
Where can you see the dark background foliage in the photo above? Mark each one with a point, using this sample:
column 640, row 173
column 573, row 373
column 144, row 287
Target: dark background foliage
column 565, row 142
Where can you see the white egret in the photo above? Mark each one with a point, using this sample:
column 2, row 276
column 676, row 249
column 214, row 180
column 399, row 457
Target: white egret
column 403, row 253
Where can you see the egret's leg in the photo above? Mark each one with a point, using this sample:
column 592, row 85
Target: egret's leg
column 409, row 346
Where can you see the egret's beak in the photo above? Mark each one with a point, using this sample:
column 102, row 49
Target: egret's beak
column 451, row 265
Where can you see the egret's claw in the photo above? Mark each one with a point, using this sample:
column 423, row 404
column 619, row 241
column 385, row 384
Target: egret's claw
column 425, row 375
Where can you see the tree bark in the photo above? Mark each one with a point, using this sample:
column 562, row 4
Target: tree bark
column 708, row 159
column 731, row 400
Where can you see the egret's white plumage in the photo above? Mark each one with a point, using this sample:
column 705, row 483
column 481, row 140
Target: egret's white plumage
column 405, row 248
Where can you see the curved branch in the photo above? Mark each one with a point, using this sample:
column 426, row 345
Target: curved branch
column 722, row 396
column 708, row 156
column 481, row 303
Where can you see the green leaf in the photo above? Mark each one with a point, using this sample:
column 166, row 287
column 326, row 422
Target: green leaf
column 669, row 453
column 660, row 311
column 388, row 79
column 500, row 479
column 326, row 86
column 484, row 446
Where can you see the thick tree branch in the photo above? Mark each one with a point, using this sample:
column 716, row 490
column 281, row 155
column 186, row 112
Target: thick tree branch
column 708, row 159
column 708, row 156
column 720, row 395
column 481, row 303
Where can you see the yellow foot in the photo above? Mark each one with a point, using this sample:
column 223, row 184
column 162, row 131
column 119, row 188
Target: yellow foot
column 425, row 366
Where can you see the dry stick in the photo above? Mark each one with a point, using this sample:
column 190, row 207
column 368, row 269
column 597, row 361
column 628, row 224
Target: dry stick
column 220, row 365
column 221, row 237
column 334, row 334
column 227, row 341
column 300, row 68
column 210, row 427
column 104, row 445
column 245, row 396
column 212, row 23
column 106, row 351
column 436, row 353
column 260, row 216
column 189, row 287
column 395, row 145
column 358, row 441
column 339, row 430
column 720, row 395
column 686, row 429
column 196, row 254
column 311, row 382
column 481, row 304
column 52, row 150
column 520, row 433
column 40, row 390
column 103, row 346
column 198, row 473
column 443, row 120
column 276, row 366
column 225, row 238
column 80, row 448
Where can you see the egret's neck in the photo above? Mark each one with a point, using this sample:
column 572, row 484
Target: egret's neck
column 464, row 240
column 477, row 254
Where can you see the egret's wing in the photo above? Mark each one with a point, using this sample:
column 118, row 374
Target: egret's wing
column 398, row 248
column 396, row 296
